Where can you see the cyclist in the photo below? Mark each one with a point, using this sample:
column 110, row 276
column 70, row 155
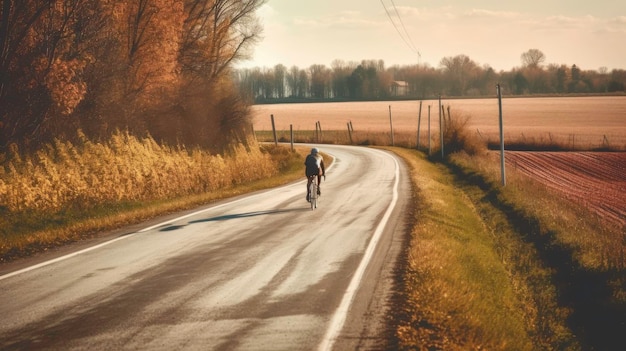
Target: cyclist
column 314, row 166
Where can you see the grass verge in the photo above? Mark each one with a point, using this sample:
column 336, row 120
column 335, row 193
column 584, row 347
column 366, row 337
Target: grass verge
column 471, row 281
column 581, row 256
column 29, row 231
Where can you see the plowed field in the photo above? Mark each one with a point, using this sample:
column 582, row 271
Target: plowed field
column 595, row 179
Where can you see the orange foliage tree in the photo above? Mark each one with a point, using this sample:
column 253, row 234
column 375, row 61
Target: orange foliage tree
column 156, row 66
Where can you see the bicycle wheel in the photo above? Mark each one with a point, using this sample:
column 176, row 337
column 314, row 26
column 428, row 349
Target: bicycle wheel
column 313, row 194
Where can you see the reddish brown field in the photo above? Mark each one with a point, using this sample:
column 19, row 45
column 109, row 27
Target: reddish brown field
column 595, row 179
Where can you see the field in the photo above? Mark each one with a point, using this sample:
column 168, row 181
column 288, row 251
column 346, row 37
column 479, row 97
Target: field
column 595, row 179
column 580, row 122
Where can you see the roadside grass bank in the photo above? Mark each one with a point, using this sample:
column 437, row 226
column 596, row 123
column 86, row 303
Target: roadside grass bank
column 69, row 192
column 583, row 255
column 462, row 287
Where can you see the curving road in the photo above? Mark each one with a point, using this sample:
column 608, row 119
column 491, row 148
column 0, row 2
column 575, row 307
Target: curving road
column 257, row 272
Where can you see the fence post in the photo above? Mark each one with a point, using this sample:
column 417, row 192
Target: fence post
column 319, row 127
column 419, row 121
column 349, row 132
column 274, row 131
column 291, row 135
column 317, row 133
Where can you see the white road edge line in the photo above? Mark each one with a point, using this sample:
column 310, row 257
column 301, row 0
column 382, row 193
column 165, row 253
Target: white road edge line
column 340, row 315
column 62, row 258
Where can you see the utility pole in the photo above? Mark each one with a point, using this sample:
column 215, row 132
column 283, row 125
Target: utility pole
column 440, row 129
column 391, row 125
column 501, row 135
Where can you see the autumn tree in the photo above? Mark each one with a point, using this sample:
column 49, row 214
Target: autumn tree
column 45, row 47
column 157, row 66
column 215, row 34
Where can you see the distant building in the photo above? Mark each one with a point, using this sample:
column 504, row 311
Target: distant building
column 399, row 88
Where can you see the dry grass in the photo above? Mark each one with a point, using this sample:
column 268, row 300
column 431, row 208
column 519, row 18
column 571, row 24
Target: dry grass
column 67, row 191
column 459, row 288
column 125, row 168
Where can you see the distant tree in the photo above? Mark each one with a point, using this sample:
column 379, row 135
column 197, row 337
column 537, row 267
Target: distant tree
column 575, row 71
column 618, row 81
column 297, row 82
column 355, row 83
column 459, row 70
column 268, row 84
column 365, row 83
column 303, row 83
column 279, row 80
column 520, row 84
column 561, row 78
column 340, row 73
column 533, row 58
column 457, row 75
column 320, row 81
column 485, row 81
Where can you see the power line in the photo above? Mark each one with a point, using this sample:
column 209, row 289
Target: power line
column 403, row 27
column 405, row 37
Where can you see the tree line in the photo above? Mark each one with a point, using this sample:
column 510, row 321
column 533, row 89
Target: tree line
column 457, row 76
column 161, row 67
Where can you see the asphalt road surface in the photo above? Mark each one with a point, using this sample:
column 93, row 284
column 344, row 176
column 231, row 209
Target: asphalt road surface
column 257, row 272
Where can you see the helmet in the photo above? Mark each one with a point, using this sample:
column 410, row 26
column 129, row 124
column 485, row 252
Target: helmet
column 314, row 151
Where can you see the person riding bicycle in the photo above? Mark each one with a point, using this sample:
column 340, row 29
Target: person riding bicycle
column 314, row 166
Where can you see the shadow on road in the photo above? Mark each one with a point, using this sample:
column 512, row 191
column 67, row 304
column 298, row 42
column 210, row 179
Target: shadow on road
column 234, row 216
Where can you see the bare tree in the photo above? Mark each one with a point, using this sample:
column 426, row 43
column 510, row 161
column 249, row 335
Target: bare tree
column 320, row 81
column 533, row 58
column 279, row 80
column 459, row 71
column 216, row 33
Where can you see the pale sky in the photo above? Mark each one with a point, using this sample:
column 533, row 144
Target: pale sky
column 590, row 34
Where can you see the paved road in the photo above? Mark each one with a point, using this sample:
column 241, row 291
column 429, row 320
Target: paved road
column 258, row 272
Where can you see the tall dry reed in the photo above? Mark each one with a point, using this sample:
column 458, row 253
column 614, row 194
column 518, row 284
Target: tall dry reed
column 123, row 169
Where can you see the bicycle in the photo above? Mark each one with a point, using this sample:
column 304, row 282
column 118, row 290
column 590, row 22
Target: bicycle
column 313, row 192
